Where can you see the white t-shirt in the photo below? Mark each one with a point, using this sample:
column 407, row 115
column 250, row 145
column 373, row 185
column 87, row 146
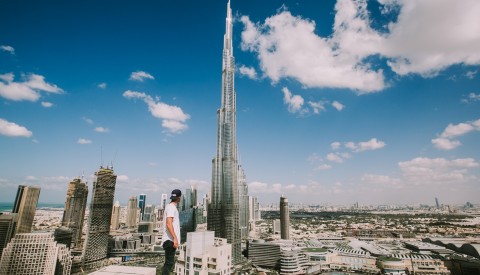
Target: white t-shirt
column 171, row 211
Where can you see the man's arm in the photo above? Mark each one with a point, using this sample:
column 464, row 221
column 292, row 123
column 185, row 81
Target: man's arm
column 172, row 232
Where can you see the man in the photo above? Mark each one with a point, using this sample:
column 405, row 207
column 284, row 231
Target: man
column 171, row 231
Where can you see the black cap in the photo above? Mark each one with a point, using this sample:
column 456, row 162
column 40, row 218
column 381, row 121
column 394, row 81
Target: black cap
column 176, row 194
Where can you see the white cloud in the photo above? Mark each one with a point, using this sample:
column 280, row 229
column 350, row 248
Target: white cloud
column 472, row 97
column 248, row 71
column 446, row 139
column 26, row 90
column 264, row 188
column 140, row 76
column 372, row 144
column 384, row 181
column 471, row 74
column 123, row 178
column 83, row 141
column 31, row 178
column 173, row 117
column 294, row 102
column 7, row 48
column 334, row 157
column 335, row 145
column 11, row 129
column 102, row 85
column 437, row 170
column 323, row 167
column 102, row 129
column 47, row 104
column 87, row 120
column 445, row 143
column 337, row 105
column 317, row 106
column 426, row 38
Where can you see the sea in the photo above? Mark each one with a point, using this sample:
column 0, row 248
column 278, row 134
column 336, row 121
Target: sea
column 7, row 206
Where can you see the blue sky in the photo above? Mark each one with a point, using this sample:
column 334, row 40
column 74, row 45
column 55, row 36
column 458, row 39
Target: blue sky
column 376, row 102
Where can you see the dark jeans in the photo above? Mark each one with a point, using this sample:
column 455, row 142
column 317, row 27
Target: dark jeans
column 169, row 257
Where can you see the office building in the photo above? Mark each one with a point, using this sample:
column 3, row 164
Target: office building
column 98, row 228
column 149, row 213
column 63, row 235
column 35, row 253
column 141, row 204
column 264, row 254
column 243, row 203
column 204, row 254
column 276, row 226
column 163, row 201
column 132, row 219
column 437, row 204
column 25, row 205
column 224, row 209
column 8, row 223
column 284, row 219
column 115, row 222
column 74, row 211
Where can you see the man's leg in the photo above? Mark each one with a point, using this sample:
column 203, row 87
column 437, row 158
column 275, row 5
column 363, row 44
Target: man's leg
column 169, row 257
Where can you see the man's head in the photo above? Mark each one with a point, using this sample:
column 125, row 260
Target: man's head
column 176, row 194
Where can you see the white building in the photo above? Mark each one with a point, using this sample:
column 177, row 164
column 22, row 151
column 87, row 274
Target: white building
column 125, row 270
column 35, row 253
column 204, row 254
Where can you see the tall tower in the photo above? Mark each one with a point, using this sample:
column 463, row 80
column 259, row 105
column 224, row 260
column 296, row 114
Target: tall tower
column 115, row 223
column 96, row 243
column 25, row 205
column 224, row 211
column 243, row 203
column 7, row 229
column 132, row 220
column 74, row 212
column 141, row 204
column 284, row 219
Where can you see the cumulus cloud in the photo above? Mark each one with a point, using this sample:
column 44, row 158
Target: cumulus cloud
column 249, row 72
column 471, row 97
column 83, row 141
column 101, row 130
column 335, row 157
column 102, row 85
column 381, row 180
column 335, row 145
column 471, row 74
column 446, row 140
column 337, row 105
column 425, row 38
column 372, row 144
column 294, row 102
column 87, row 120
column 323, row 167
column 317, row 107
column 29, row 89
column 140, row 76
column 7, row 48
column 47, row 104
column 264, row 188
column 437, row 170
column 123, row 178
column 11, row 129
column 173, row 118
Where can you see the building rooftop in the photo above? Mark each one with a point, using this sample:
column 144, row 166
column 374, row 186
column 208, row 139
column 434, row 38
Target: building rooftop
column 125, row 270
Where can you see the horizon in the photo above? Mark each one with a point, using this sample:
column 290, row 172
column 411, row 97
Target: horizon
column 337, row 102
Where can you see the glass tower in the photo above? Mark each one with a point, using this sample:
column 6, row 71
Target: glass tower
column 96, row 242
column 25, row 205
column 74, row 211
column 224, row 208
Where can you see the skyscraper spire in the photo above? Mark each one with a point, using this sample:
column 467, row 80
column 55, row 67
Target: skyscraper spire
column 224, row 209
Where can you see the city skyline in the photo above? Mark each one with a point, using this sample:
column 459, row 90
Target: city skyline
column 334, row 105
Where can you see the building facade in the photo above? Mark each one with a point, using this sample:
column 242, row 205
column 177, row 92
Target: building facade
column 35, row 253
column 204, row 254
column 24, row 206
column 96, row 242
column 132, row 219
column 284, row 219
column 8, row 223
column 142, row 200
column 224, row 209
column 115, row 222
column 74, row 211
column 243, row 203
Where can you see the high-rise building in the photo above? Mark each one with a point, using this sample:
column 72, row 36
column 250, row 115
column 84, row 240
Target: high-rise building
column 74, row 211
column 224, row 208
column 284, row 219
column 243, row 203
column 141, row 204
column 115, row 223
column 25, row 205
column 132, row 219
column 149, row 213
column 96, row 242
column 8, row 223
column 204, row 254
column 163, row 201
column 35, row 253
column 437, row 203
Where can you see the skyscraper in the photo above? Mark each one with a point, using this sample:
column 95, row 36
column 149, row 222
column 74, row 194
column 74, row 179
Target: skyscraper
column 437, row 203
column 115, row 223
column 243, row 203
column 25, row 205
column 96, row 242
column 7, row 229
column 74, row 212
column 284, row 219
column 224, row 209
column 35, row 253
column 141, row 204
column 163, row 201
column 132, row 220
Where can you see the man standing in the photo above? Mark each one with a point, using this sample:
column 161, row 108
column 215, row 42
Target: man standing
column 171, row 231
